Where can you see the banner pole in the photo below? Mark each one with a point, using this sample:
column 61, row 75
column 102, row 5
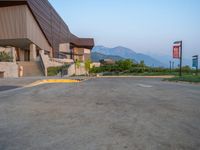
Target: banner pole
column 180, row 71
column 197, row 67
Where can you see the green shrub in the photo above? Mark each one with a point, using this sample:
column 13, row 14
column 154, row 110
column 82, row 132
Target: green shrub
column 186, row 69
column 137, row 70
column 129, row 67
column 124, row 64
column 53, row 71
column 5, row 57
column 87, row 66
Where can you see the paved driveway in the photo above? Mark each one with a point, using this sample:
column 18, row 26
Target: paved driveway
column 102, row 114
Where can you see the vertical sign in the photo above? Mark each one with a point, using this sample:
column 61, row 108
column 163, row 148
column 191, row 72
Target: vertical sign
column 195, row 63
column 177, row 53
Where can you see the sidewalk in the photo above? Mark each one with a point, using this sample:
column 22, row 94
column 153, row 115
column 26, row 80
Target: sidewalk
column 20, row 81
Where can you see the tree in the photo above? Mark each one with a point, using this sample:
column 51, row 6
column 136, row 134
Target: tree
column 142, row 65
column 186, row 69
column 87, row 66
column 124, row 65
column 77, row 65
column 5, row 57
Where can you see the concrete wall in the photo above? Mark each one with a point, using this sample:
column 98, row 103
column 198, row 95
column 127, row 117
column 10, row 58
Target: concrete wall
column 87, row 51
column 12, row 22
column 82, row 54
column 10, row 69
column 64, row 47
column 34, row 32
column 80, row 70
column 73, row 70
column 21, row 55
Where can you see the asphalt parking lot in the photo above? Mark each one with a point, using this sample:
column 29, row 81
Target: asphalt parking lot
column 102, row 114
column 5, row 88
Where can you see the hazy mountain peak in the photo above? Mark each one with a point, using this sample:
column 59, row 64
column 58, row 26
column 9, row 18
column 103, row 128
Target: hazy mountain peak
column 96, row 57
column 128, row 54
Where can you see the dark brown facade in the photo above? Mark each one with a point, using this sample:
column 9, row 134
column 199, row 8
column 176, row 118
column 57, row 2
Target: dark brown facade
column 52, row 25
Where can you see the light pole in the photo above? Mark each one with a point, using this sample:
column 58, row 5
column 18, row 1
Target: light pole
column 170, row 65
column 181, row 57
column 173, row 65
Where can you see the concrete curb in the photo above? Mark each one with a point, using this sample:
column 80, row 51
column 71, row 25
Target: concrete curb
column 48, row 81
column 160, row 77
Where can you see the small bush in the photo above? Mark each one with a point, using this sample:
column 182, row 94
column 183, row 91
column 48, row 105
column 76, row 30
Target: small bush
column 5, row 57
column 87, row 66
column 53, row 71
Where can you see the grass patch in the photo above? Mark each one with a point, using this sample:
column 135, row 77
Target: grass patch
column 53, row 71
column 139, row 74
column 186, row 78
column 156, row 73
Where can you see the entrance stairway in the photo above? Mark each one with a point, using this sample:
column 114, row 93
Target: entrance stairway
column 31, row 69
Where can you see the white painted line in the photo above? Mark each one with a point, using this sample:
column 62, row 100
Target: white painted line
column 145, row 85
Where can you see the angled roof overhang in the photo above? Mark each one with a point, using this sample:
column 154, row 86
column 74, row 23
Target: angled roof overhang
column 12, row 3
column 74, row 40
column 82, row 42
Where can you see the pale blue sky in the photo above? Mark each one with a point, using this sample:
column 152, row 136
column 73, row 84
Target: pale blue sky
column 146, row 26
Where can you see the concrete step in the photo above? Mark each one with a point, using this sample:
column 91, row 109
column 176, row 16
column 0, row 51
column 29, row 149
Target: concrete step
column 31, row 69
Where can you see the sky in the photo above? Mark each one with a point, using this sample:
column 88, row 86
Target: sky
column 145, row 26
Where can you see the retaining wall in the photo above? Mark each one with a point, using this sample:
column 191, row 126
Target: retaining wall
column 9, row 70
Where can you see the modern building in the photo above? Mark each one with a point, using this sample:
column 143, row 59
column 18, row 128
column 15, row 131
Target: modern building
column 29, row 27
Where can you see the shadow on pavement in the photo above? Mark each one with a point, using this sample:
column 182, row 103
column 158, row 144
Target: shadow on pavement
column 5, row 88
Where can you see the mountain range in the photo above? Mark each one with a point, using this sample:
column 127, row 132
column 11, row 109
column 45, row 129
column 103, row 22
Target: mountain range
column 96, row 57
column 117, row 53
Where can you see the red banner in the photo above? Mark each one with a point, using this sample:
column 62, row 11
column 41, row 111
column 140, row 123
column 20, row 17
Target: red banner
column 176, row 52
